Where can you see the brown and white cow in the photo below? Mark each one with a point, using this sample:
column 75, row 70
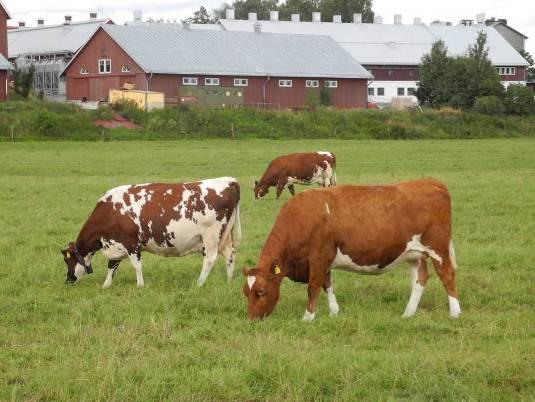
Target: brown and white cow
column 361, row 229
column 164, row 219
column 300, row 168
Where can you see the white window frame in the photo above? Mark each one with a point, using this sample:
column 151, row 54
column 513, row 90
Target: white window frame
column 506, row 70
column 190, row 81
column 211, row 81
column 285, row 83
column 241, row 82
column 402, row 90
column 312, row 83
column 125, row 68
column 411, row 91
column 84, row 71
column 331, row 84
column 104, row 63
column 381, row 89
column 371, row 91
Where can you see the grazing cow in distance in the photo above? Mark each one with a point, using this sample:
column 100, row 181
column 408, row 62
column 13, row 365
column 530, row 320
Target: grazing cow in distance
column 361, row 229
column 300, row 168
column 165, row 219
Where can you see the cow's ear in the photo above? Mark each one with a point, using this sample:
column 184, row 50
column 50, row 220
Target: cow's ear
column 249, row 272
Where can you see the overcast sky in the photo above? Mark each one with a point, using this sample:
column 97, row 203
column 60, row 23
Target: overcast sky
column 519, row 13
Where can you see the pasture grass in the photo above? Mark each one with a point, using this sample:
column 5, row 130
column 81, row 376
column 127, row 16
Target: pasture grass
column 175, row 341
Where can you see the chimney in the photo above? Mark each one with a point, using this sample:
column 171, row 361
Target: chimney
column 229, row 14
column 480, row 18
column 40, row 22
column 337, row 18
column 22, row 24
column 273, row 15
column 417, row 21
column 316, row 16
column 397, row 19
column 357, row 18
column 377, row 19
column 68, row 19
column 296, row 18
column 258, row 27
column 186, row 25
column 93, row 15
column 138, row 15
column 252, row 17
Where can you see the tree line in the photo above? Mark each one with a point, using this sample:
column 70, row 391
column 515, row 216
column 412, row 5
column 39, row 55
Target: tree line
column 305, row 8
column 469, row 82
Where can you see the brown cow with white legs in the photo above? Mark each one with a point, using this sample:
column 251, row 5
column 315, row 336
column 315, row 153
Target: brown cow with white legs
column 300, row 168
column 362, row 229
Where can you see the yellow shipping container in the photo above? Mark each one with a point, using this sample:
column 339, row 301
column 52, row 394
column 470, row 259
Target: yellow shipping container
column 153, row 100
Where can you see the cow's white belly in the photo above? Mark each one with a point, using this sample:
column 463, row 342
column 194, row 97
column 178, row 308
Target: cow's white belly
column 414, row 250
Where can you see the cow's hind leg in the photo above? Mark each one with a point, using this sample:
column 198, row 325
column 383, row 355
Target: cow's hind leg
column 135, row 260
column 446, row 272
column 419, row 276
column 291, row 189
column 331, row 298
column 112, row 267
column 229, row 253
column 210, row 256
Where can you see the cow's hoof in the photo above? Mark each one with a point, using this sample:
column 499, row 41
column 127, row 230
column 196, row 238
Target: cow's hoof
column 309, row 316
column 106, row 285
column 140, row 285
column 408, row 314
column 333, row 309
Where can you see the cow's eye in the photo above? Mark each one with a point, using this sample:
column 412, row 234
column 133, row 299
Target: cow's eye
column 260, row 292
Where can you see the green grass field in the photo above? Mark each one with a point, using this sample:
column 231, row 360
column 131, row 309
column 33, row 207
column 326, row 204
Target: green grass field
column 175, row 341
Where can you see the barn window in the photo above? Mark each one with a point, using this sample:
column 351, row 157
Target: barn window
column 241, row 82
column 401, row 91
column 189, row 80
column 411, row 91
column 84, row 71
column 211, row 81
column 312, row 83
column 285, row 83
column 104, row 66
column 331, row 84
column 380, row 92
column 506, row 70
column 371, row 91
column 125, row 69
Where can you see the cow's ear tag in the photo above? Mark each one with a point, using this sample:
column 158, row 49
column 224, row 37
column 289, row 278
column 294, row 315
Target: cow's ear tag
column 277, row 270
column 68, row 255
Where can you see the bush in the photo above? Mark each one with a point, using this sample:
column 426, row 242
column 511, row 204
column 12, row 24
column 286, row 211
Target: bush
column 519, row 100
column 490, row 105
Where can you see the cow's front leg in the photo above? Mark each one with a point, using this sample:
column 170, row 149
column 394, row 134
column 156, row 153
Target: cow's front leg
column 291, row 188
column 315, row 281
column 280, row 186
column 112, row 267
column 135, row 260
column 331, row 298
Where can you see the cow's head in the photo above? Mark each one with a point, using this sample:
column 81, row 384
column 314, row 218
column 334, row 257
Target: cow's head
column 260, row 190
column 262, row 291
column 77, row 267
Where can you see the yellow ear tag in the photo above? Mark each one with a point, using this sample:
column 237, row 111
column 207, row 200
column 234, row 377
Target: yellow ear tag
column 277, row 270
column 68, row 255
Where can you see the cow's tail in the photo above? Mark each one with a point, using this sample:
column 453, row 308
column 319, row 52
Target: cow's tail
column 236, row 228
column 453, row 258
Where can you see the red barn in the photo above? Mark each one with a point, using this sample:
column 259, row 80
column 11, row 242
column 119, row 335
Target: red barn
column 217, row 68
column 4, row 64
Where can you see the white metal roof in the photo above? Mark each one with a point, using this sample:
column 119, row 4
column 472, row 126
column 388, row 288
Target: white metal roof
column 172, row 50
column 6, row 10
column 51, row 39
column 392, row 44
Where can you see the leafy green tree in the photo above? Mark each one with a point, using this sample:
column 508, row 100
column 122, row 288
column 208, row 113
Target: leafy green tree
column 23, row 79
column 519, row 100
column 242, row 8
column 434, row 87
column 304, row 8
column 346, row 8
column 531, row 68
column 201, row 16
